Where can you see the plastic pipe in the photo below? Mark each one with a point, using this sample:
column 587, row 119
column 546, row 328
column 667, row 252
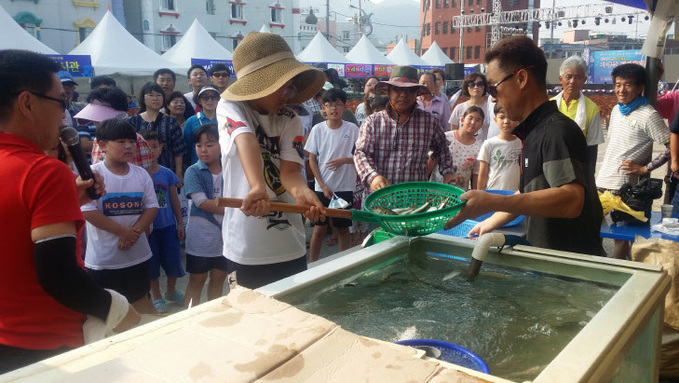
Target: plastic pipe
column 481, row 251
column 483, row 245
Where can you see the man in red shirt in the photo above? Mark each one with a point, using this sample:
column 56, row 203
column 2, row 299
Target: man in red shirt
column 45, row 294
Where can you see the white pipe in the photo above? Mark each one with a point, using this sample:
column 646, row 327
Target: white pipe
column 484, row 243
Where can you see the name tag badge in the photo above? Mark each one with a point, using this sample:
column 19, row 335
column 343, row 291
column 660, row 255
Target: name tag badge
column 525, row 162
column 633, row 123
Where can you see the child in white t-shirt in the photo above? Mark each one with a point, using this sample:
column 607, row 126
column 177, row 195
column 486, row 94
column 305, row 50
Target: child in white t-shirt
column 262, row 159
column 464, row 148
column 118, row 252
column 202, row 184
column 331, row 148
column 499, row 167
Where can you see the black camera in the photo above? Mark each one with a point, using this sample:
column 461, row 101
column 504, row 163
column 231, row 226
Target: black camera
column 639, row 198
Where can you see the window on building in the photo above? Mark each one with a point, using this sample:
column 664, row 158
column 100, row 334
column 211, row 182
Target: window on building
column 146, row 25
column 83, row 28
column 237, row 11
column 477, row 28
column 471, row 2
column 346, row 49
column 83, row 33
column 446, row 3
column 29, row 22
column 445, row 51
column 469, row 29
column 236, row 39
column 210, row 7
column 469, row 52
column 452, row 30
column 167, row 4
column 169, row 40
column 478, row 2
column 453, row 3
column 345, row 35
column 428, row 29
column 452, row 53
column 477, row 52
column 437, row 28
column 445, row 27
column 276, row 15
column 438, row 4
column 512, row 3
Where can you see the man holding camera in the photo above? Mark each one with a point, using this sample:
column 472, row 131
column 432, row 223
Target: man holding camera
column 634, row 127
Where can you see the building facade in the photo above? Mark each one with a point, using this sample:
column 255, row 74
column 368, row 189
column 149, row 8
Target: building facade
column 158, row 24
column 436, row 25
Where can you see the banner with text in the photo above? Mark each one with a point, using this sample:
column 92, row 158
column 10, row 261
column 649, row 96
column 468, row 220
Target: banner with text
column 76, row 65
column 601, row 63
column 208, row 63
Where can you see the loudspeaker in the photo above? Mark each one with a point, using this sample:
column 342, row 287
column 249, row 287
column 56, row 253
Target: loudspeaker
column 454, row 71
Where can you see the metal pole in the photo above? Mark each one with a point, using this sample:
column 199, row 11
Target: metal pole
column 327, row 20
column 461, row 31
column 360, row 19
column 551, row 32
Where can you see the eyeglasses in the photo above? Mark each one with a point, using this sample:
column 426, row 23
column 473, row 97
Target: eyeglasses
column 220, row 74
column 492, row 89
column 289, row 92
column 210, row 97
column 337, row 105
column 409, row 90
column 64, row 102
column 478, row 84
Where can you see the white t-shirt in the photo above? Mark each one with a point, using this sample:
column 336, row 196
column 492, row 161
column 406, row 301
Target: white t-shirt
column 189, row 96
column 502, row 157
column 327, row 144
column 203, row 238
column 464, row 157
column 127, row 197
column 630, row 138
column 278, row 237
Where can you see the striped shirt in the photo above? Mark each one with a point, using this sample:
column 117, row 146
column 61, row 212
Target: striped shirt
column 631, row 138
column 398, row 151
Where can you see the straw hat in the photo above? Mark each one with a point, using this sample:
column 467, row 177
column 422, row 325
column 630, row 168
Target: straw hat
column 263, row 63
column 404, row 76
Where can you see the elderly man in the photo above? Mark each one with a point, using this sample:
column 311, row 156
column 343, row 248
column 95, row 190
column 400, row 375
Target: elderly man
column 634, row 127
column 582, row 110
column 393, row 144
column 556, row 192
column 46, row 294
column 431, row 102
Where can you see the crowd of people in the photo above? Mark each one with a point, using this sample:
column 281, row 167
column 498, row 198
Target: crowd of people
column 281, row 132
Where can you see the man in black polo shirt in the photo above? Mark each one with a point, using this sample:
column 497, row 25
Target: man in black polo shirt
column 556, row 193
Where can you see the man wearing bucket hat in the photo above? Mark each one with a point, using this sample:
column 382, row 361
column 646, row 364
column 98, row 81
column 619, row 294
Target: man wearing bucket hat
column 262, row 157
column 393, row 145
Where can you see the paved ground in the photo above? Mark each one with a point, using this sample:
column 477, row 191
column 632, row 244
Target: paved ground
column 327, row 250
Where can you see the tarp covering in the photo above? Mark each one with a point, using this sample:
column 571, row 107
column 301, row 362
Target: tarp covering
column 15, row 37
column 114, row 50
column 196, row 43
column 319, row 50
column 364, row 52
column 435, row 56
column 403, row 55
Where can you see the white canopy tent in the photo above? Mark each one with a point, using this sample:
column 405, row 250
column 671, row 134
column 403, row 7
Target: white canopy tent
column 264, row 29
column 364, row 52
column 196, row 43
column 435, row 56
column 15, row 37
column 114, row 50
column 403, row 55
column 320, row 50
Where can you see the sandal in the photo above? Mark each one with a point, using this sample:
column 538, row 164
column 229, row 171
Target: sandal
column 160, row 306
column 177, row 297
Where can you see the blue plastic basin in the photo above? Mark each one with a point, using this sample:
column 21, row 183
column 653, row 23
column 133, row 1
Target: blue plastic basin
column 451, row 353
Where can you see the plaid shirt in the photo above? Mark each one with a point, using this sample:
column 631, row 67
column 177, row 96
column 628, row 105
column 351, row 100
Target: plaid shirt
column 398, row 151
column 313, row 105
column 142, row 159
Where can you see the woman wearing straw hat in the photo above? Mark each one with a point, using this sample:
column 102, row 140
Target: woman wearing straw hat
column 261, row 142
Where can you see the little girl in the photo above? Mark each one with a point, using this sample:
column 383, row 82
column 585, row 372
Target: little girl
column 465, row 148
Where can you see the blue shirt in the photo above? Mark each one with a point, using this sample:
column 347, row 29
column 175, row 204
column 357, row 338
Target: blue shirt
column 163, row 180
column 189, row 127
column 198, row 179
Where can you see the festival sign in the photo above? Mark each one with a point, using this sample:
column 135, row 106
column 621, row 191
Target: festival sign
column 358, row 70
column 208, row 63
column 338, row 67
column 76, row 65
column 601, row 64
column 383, row 70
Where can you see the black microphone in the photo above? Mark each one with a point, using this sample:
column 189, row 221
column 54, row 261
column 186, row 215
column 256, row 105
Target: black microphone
column 71, row 138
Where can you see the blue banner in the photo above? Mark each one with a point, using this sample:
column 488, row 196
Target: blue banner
column 76, row 65
column 208, row 63
column 601, row 63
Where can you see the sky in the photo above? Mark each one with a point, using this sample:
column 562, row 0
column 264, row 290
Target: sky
column 636, row 29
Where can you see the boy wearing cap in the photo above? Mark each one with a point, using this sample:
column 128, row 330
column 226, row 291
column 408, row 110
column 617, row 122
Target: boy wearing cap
column 393, row 145
column 208, row 97
column 262, row 157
